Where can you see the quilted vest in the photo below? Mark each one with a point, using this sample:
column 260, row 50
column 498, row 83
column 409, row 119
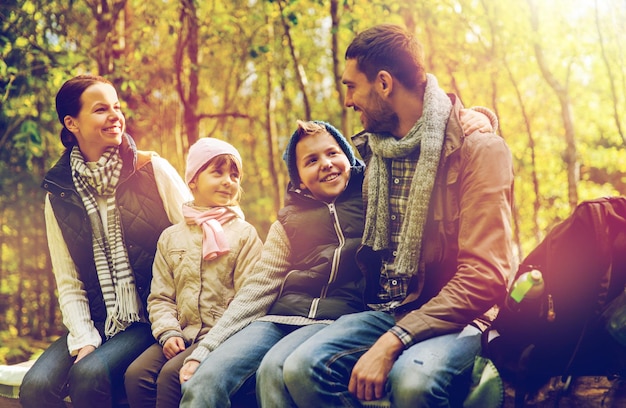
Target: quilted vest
column 325, row 281
column 142, row 215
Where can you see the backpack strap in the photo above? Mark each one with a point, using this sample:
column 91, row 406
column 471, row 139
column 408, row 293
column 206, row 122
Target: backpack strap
column 597, row 216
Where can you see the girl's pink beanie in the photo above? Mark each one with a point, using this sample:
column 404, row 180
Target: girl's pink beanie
column 204, row 150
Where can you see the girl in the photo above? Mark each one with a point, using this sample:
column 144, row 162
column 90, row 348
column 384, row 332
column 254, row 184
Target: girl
column 200, row 265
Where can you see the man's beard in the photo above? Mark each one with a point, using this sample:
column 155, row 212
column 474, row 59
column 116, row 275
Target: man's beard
column 379, row 117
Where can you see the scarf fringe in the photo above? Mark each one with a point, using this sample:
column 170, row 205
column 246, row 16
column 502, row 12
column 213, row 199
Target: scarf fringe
column 125, row 312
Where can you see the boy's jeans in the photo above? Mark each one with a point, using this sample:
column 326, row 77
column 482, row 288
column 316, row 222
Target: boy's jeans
column 231, row 366
column 432, row 373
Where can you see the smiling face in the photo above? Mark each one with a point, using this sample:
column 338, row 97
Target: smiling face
column 376, row 114
column 218, row 184
column 323, row 167
column 100, row 123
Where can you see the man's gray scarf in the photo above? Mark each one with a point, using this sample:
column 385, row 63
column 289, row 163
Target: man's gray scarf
column 426, row 140
column 110, row 256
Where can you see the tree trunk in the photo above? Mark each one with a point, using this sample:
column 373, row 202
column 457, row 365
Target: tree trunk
column 533, row 156
column 562, row 93
column 337, row 70
column 19, row 293
column 605, row 59
column 271, row 129
column 298, row 69
column 105, row 15
column 187, row 85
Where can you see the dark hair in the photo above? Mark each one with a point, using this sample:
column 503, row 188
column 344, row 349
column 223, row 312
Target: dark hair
column 220, row 160
column 68, row 102
column 393, row 49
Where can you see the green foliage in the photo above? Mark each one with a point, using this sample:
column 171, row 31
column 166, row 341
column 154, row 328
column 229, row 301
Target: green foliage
column 14, row 349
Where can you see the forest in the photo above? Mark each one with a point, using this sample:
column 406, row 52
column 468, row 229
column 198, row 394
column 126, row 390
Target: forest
column 553, row 71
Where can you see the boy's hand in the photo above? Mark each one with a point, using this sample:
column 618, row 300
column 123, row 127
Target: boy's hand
column 173, row 346
column 188, row 370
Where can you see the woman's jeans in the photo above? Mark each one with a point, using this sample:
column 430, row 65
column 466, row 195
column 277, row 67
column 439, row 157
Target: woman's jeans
column 230, row 368
column 95, row 381
column 432, row 373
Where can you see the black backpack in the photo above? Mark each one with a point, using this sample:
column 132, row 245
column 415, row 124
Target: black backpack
column 562, row 332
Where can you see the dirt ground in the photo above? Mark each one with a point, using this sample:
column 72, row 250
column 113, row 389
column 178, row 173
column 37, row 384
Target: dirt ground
column 583, row 392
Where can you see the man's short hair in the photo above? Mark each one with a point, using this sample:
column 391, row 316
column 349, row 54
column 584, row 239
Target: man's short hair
column 391, row 48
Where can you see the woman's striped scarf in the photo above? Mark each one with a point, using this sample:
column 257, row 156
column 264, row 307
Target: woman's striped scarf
column 111, row 259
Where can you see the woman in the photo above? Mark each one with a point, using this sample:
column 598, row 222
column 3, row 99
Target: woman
column 106, row 206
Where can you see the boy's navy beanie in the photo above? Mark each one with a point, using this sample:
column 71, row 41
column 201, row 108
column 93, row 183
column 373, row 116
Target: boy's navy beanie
column 290, row 151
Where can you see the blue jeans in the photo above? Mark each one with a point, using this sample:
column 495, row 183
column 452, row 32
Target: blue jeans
column 231, row 367
column 432, row 373
column 95, row 381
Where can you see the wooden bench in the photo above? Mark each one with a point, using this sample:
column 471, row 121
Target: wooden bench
column 10, row 379
column 582, row 392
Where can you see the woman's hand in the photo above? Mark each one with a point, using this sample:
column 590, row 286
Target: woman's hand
column 83, row 352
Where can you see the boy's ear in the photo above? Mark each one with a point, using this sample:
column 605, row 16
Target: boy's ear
column 302, row 186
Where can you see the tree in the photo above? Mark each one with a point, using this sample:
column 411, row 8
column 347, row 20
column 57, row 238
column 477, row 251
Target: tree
column 562, row 92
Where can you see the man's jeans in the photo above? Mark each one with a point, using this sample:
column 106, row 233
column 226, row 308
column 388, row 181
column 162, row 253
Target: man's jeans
column 231, row 367
column 432, row 373
column 95, row 381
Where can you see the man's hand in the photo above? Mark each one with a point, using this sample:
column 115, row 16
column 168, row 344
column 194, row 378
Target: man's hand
column 369, row 374
column 173, row 346
column 187, row 371
column 83, row 352
column 472, row 121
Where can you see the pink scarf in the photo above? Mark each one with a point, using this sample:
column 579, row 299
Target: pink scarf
column 214, row 241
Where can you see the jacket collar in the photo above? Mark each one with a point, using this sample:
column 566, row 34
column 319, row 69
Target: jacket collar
column 454, row 131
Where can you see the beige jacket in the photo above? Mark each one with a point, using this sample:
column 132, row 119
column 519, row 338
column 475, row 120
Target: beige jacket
column 188, row 294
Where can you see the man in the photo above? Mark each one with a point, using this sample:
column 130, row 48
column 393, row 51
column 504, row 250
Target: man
column 436, row 247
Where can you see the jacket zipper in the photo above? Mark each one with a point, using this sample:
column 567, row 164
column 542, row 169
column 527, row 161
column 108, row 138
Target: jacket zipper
column 335, row 262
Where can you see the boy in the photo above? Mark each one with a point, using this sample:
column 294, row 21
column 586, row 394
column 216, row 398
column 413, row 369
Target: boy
column 308, row 263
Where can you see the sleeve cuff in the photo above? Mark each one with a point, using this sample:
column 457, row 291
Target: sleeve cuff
column 403, row 335
column 167, row 335
column 199, row 354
